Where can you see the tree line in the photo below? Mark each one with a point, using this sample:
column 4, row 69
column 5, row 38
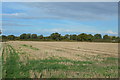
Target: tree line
column 58, row 37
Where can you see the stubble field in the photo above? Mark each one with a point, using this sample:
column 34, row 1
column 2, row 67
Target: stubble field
column 30, row 59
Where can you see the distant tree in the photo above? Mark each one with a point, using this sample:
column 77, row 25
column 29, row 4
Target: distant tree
column 73, row 37
column 34, row 36
column 47, row 38
column 28, row 36
column 118, row 39
column 23, row 36
column 62, row 38
column 11, row 37
column 97, row 36
column 55, row 36
column 106, row 37
column 90, row 37
column 40, row 37
column 67, row 36
column 82, row 37
column 17, row 38
column 4, row 37
column 113, row 37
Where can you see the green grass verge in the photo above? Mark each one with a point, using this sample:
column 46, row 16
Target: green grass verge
column 12, row 67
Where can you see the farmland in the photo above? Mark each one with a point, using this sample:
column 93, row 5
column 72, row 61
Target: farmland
column 32, row 59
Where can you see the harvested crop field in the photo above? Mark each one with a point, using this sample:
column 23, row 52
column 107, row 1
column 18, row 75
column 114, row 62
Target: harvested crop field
column 32, row 59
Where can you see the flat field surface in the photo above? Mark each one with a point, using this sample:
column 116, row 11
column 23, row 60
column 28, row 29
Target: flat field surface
column 32, row 59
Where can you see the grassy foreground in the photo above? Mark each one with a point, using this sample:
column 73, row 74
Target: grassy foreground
column 55, row 67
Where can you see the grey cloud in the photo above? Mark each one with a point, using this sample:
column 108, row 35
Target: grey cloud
column 70, row 10
column 4, row 24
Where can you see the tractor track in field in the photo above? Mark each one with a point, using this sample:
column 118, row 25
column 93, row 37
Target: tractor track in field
column 83, row 50
column 73, row 59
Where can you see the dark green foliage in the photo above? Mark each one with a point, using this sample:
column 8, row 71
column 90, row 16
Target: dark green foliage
column 89, row 37
column 106, row 37
column 58, row 37
column 23, row 36
column 40, row 37
column 55, row 36
column 82, row 37
column 11, row 37
column 73, row 37
column 97, row 36
column 67, row 36
column 28, row 36
column 4, row 38
column 34, row 36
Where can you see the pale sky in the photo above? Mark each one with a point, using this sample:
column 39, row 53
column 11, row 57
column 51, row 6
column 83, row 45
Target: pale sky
column 63, row 17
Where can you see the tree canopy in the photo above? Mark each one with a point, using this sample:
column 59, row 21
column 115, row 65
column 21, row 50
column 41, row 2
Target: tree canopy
column 68, row 37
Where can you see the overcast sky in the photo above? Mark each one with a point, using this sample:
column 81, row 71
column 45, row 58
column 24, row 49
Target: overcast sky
column 63, row 17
